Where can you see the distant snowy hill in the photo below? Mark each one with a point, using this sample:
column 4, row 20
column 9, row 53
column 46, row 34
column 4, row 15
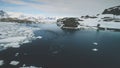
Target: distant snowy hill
column 14, row 17
column 109, row 14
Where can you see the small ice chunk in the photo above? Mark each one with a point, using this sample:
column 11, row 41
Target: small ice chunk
column 95, row 43
column 30, row 67
column 1, row 62
column 95, row 49
column 14, row 63
column 39, row 37
column 16, row 54
column 24, row 65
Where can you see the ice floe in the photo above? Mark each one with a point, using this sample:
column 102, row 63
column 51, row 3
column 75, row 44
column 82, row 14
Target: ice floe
column 15, row 34
column 95, row 49
column 14, row 63
column 16, row 54
column 24, row 65
column 39, row 37
column 95, row 43
column 30, row 67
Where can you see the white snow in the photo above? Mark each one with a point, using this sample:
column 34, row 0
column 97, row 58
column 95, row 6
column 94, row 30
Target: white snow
column 14, row 63
column 113, row 25
column 15, row 34
column 89, row 22
column 94, row 22
column 1, row 62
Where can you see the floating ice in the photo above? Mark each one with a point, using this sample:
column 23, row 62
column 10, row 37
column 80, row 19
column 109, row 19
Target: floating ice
column 24, row 65
column 14, row 45
column 12, row 39
column 95, row 43
column 95, row 49
column 30, row 67
column 16, row 54
column 15, row 34
column 39, row 37
column 1, row 62
column 14, row 63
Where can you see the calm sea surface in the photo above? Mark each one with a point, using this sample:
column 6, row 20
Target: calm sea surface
column 67, row 49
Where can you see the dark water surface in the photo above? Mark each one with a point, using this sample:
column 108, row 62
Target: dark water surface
column 67, row 49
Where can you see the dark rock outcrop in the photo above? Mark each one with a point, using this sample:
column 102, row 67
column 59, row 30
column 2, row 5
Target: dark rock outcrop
column 69, row 22
column 113, row 10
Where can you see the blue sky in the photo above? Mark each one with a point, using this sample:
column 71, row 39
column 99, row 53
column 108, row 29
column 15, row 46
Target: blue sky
column 57, row 7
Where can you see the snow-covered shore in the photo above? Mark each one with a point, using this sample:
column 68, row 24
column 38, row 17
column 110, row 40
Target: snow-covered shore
column 103, row 24
column 15, row 34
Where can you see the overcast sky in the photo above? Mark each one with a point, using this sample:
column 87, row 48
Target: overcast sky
column 57, row 7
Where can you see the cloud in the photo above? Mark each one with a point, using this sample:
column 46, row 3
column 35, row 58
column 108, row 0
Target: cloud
column 18, row 14
column 66, row 7
column 18, row 2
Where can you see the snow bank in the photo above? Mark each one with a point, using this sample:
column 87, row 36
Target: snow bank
column 113, row 25
column 15, row 34
column 89, row 22
column 94, row 22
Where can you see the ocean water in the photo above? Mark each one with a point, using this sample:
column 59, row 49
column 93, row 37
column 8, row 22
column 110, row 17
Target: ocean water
column 67, row 49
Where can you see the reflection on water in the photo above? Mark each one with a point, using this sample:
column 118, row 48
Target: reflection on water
column 67, row 49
